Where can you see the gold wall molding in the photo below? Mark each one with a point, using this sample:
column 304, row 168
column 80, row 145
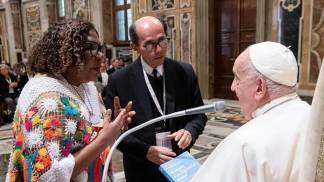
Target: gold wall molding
column 290, row 5
column 312, row 43
column 4, row 36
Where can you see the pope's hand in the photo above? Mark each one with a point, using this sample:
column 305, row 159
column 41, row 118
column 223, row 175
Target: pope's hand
column 159, row 154
column 183, row 137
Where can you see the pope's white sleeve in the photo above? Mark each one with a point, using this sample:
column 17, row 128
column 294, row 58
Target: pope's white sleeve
column 225, row 164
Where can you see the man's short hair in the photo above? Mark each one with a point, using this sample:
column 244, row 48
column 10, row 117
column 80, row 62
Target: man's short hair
column 134, row 37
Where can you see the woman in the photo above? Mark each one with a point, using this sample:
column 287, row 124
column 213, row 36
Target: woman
column 53, row 125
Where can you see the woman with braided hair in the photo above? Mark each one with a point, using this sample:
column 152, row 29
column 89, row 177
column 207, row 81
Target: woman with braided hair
column 54, row 134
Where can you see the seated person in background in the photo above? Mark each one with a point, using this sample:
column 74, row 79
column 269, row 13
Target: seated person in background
column 121, row 62
column 266, row 147
column 20, row 72
column 128, row 61
column 102, row 80
column 8, row 88
column 116, row 64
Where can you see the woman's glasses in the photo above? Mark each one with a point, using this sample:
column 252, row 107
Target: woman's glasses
column 95, row 48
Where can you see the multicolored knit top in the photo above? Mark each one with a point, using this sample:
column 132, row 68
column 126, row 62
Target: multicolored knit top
column 51, row 123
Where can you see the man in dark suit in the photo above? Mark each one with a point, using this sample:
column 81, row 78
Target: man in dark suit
column 156, row 85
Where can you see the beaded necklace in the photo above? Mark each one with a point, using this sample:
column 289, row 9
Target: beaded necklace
column 90, row 110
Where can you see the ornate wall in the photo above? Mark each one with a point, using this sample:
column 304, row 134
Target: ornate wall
column 79, row 9
column 3, row 36
column 289, row 25
column 310, row 38
column 33, row 28
column 17, row 24
column 312, row 43
column 39, row 14
column 51, row 7
column 91, row 10
column 179, row 16
column 107, row 21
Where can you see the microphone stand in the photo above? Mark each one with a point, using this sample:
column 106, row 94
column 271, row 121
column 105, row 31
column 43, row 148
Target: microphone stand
column 203, row 109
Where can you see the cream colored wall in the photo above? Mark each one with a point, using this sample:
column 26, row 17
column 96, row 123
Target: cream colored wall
column 4, row 35
column 11, row 46
column 205, row 46
column 107, row 21
column 312, row 43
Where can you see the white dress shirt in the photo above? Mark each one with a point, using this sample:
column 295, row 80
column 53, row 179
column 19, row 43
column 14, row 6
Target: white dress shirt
column 148, row 69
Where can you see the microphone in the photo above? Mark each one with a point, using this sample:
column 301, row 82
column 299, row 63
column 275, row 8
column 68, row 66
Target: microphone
column 214, row 107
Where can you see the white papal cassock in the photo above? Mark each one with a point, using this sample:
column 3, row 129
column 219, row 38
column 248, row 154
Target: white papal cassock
column 266, row 149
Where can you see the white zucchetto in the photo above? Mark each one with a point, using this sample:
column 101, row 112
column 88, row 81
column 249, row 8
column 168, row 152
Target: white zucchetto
column 275, row 61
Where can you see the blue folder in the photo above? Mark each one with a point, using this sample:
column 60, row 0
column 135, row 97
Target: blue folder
column 181, row 168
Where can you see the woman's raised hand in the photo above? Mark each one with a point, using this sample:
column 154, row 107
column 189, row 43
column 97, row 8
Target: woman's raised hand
column 112, row 130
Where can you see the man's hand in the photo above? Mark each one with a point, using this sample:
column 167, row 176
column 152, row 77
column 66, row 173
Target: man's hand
column 183, row 136
column 159, row 154
column 13, row 85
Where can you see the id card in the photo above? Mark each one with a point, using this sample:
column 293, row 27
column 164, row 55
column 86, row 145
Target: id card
column 163, row 140
column 11, row 91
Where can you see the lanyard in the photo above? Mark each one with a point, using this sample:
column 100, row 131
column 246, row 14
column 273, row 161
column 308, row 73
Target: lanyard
column 8, row 79
column 11, row 90
column 155, row 100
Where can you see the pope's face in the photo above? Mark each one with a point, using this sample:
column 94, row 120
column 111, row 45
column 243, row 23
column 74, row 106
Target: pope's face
column 245, row 86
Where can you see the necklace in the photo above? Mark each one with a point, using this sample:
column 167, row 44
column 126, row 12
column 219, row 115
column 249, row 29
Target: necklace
column 90, row 110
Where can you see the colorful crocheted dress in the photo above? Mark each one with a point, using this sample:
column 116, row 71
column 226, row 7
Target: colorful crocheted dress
column 51, row 123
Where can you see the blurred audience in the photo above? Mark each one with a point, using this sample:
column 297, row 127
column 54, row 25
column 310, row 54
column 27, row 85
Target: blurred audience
column 102, row 77
column 12, row 82
column 116, row 63
column 19, row 70
column 8, row 89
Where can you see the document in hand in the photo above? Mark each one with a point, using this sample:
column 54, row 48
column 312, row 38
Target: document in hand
column 181, row 168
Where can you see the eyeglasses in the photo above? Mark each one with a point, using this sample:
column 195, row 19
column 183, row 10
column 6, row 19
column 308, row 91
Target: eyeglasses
column 150, row 45
column 95, row 48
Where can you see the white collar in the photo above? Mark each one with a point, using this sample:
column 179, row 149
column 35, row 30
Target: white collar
column 268, row 106
column 148, row 69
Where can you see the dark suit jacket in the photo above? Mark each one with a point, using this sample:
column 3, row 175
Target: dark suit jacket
column 4, row 86
column 23, row 79
column 182, row 92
